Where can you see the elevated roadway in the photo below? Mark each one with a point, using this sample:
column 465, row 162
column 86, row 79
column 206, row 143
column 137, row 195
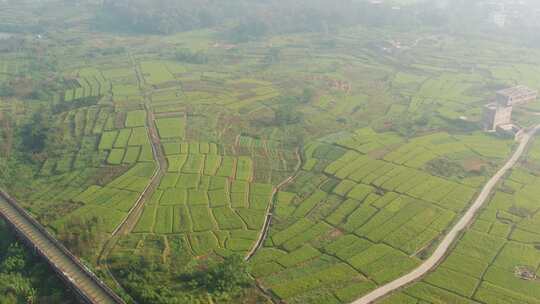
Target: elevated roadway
column 78, row 277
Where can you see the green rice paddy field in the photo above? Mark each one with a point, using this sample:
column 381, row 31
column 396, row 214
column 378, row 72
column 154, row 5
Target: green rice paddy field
column 384, row 156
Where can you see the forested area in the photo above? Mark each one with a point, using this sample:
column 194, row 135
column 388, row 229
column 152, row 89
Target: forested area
column 146, row 280
column 242, row 20
column 23, row 278
column 251, row 19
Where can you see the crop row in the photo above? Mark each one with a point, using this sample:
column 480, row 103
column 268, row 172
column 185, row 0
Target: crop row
column 357, row 168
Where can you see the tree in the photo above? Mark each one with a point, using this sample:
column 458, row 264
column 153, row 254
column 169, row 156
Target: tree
column 186, row 55
column 33, row 134
column 14, row 260
column 249, row 30
column 286, row 114
column 307, row 95
column 6, row 90
column 273, row 56
column 228, row 276
column 14, row 285
column 7, row 170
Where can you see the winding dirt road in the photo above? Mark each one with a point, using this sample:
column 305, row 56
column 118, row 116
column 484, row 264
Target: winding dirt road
column 130, row 221
column 452, row 236
column 270, row 208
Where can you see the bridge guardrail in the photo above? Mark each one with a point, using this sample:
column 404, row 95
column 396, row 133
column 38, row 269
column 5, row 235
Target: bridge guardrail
column 64, row 250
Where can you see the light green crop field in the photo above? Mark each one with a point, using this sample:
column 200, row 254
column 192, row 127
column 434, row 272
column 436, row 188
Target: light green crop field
column 171, row 127
column 494, row 261
column 361, row 153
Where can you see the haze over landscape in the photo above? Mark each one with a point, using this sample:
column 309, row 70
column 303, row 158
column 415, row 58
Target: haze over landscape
column 269, row 151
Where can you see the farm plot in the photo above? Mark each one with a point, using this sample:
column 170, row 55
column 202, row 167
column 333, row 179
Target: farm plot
column 139, row 137
column 116, row 156
column 367, row 140
column 132, row 155
column 111, row 203
column 244, row 168
column 107, row 140
column 490, row 264
column 136, row 119
column 375, row 214
column 173, row 127
column 205, row 210
column 194, row 164
column 155, row 72
column 123, row 138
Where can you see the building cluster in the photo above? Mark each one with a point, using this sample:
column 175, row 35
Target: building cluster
column 505, row 13
column 498, row 114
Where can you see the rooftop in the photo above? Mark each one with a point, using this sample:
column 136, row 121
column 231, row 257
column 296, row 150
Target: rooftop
column 517, row 91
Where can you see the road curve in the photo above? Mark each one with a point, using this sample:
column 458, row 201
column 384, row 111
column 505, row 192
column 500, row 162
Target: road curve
column 449, row 239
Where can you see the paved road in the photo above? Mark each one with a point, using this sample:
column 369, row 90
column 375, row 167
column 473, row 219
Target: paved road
column 452, row 236
column 83, row 281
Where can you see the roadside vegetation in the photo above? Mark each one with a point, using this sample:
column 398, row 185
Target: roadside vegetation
column 496, row 261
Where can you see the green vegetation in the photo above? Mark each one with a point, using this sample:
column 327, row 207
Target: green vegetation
column 171, row 127
column 495, row 261
column 24, row 278
column 357, row 133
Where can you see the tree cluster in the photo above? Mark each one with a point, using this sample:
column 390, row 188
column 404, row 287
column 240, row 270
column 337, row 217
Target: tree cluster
column 6, row 90
column 33, row 134
column 245, row 20
column 287, row 113
column 145, row 279
column 446, row 168
column 83, row 236
column 23, row 279
column 229, row 276
column 188, row 56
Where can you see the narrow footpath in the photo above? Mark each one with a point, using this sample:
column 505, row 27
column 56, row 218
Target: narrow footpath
column 130, row 221
column 445, row 246
column 270, row 208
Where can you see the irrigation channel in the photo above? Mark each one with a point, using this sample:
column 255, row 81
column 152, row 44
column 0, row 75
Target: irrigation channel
column 85, row 284
column 445, row 246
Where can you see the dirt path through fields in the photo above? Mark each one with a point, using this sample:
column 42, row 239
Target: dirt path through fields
column 130, row 221
column 270, row 208
column 161, row 161
column 446, row 244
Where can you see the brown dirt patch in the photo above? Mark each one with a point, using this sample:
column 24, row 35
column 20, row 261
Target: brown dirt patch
column 474, row 165
column 108, row 174
column 379, row 154
column 119, row 120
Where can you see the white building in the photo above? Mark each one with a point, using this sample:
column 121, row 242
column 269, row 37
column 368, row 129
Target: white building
column 517, row 95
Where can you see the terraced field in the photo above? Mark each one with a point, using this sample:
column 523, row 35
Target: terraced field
column 352, row 214
column 493, row 261
column 333, row 163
